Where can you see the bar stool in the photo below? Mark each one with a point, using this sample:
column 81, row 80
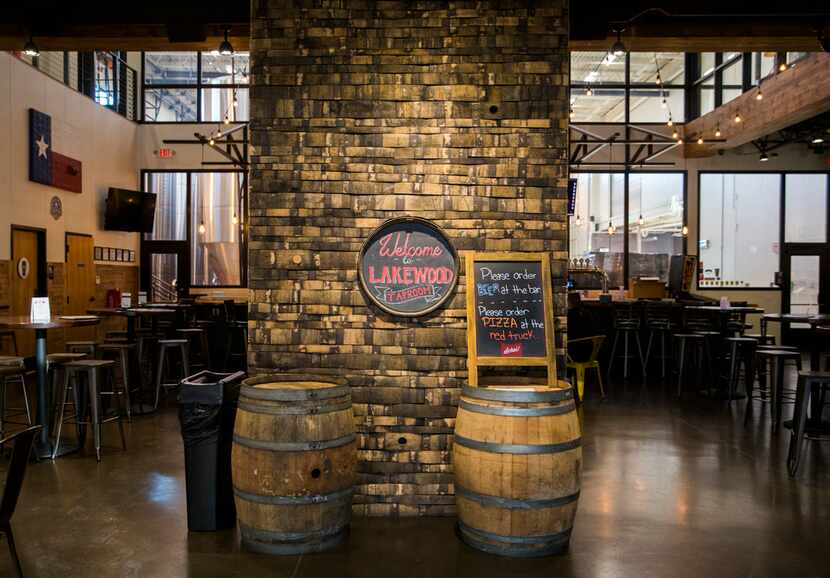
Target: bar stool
column 54, row 366
column 122, row 352
column 88, row 347
column 111, row 335
column 627, row 325
column 762, row 339
column 13, row 369
column 808, row 383
column 659, row 325
column 713, row 351
column 197, row 336
column 236, row 332
column 777, row 359
column 694, row 344
column 91, row 369
column 741, row 350
column 165, row 347
column 11, row 337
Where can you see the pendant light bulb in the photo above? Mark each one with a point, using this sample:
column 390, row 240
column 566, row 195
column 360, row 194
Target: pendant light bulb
column 235, row 219
column 782, row 67
column 641, row 220
column 211, row 142
column 663, row 103
column 680, row 141
column 202, row 228
column 674, row 134
column 618, row 48
column 717, row 131
column 670, row 122
column 700, row 140
column 759, row 95
column 225, row 48
column 738, row 118
column 610, row 228
column 227, row 119
column 30, row 48
column 685, row 230
column 578, row 220
column 589, row 92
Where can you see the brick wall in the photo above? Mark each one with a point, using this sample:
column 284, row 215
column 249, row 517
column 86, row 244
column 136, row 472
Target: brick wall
column 363, row 111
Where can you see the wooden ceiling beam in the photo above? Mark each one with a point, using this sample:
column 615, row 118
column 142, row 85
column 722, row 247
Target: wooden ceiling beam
column 789, row 97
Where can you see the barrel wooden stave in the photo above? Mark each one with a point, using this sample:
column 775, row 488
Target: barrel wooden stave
column 513, row 503
column 293, row 472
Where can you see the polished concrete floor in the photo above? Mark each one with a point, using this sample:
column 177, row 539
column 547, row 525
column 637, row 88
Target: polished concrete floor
column 670, row 489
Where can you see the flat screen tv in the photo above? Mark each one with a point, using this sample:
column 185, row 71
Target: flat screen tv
column 130, row 211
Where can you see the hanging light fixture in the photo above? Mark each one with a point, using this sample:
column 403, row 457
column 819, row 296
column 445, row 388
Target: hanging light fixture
column 737, row 118
column 202, row 228
column 685, row 230
column 225, row 48
column 589, row 92
column 764, row 157
column 817, row 140
column 700, row 140
column 717, row 131
column 227, row 119
column 670, row 122
column 680, row 141
column 759, row 95
column 578, row 220
column 618, row 48
column 675, row 134
column 235, row 219
column 30, row 48
column 211, row 142
column 641, row 220
column 663, row 103
column 610, row 228
column 571, row 113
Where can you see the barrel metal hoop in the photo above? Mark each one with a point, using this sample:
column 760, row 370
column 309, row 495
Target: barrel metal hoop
column 517, row 448
column 514, row 503
column 294, row 446
column 517, row 395
column 265, row 542
column 293, row 394
column 293, row 410
column 338, row 496
column 517, row 546
column 518, row 411
column 271, row 536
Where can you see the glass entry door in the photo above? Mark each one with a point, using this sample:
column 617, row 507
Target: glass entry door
column 805, row 290
column 164, row 274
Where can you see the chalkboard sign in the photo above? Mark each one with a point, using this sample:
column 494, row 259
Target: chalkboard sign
column 408, row 267
column 509, row 311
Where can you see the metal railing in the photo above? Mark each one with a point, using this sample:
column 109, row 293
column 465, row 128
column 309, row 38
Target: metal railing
column 162, row 290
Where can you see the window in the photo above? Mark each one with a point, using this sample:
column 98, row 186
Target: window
column 602, row 83
column 600, row 199
column 739, row 229
column 195, row 87
column 199, row 216
column 655, row 221
column 805, row 216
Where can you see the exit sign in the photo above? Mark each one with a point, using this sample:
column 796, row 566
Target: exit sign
column 165, row 153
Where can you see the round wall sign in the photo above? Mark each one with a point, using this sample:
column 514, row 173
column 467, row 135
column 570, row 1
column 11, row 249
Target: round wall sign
column 56, row 208
column 408, row 267
column 23, row 267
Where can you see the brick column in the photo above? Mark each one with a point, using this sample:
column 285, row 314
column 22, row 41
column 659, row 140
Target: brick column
column 362, row 111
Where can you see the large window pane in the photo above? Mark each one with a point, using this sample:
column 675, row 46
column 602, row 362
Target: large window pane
column 169, row 105
column 706, row 64
column 170, row 68
column 654, row 105
column 104, row 79
column 220, row 69
column 805, row 218
column 604, row 105
column 599, row 203
column 656, row 199
column 216, row 254
column 217, row 102
column 171, row 206
column 644, row 66
column 707, row 99
column 597, row 68
column 739, row 229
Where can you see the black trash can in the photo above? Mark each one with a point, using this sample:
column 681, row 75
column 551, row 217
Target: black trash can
column 207, row 410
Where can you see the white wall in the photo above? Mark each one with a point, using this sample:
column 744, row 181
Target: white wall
column 188, row 156
column 104, row 142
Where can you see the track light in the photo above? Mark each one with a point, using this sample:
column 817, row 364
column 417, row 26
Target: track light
column 717, row 131
column 764, row 157
column 225, row 48
column 202, row 228
column 618, row 48
column 30, row 48
column 737, row 118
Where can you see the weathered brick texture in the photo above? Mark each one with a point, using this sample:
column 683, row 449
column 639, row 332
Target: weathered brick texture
column 362, row 111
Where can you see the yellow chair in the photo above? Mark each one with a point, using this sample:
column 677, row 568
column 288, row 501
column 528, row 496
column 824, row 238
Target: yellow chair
column 592, row 362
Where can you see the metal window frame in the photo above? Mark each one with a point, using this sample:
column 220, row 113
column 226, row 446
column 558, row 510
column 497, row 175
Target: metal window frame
column 781, row 218
column 187, row 243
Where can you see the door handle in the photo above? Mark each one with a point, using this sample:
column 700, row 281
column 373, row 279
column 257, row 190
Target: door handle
column 91, row 299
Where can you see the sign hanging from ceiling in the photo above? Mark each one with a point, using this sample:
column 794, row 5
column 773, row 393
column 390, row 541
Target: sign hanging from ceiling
column 408, row 267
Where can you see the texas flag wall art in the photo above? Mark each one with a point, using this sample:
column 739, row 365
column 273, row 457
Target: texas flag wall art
column 46, row 166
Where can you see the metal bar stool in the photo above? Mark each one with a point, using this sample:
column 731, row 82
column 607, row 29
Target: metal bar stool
column 165, row 348
column 122, row 353
column 88, row 347
column 777, row 359
column 54, row 369
column 741, row 351
column 196, row 335
column 11, row 336
column 693, row 344
column 13, row 369
column 92, row 369
column 626, row 324
column 658, row 318
column 808, row 383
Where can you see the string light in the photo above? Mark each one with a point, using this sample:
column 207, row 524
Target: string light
column 589, row 92
column 663, row 103
column 674, row 134
column 211, row 142
column 235, row 219
column 227, row 119
column 782, row 67
column 202, row 227
column 700, row 140
column 759, row 95
column 571, row 113
column 685, row 230
column 670, row 122
column 717, row 131
column 737, row 118
column 680, row 141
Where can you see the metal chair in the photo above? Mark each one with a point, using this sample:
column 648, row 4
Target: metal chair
column 659, row 324
column 580, row 367
column 165, row 347
column 626, row 325
column 809, row 382
column 776, row 358
column 21, row 450
column 12, row 368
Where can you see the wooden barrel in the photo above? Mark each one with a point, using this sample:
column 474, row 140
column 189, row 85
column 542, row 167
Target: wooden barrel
column 517, row 458
column 294, row 456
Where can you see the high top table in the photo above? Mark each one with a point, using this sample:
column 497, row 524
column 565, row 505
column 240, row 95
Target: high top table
column 43, row 446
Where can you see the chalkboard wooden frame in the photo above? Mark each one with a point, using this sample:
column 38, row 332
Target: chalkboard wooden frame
column 367, row 292
column 474, row 361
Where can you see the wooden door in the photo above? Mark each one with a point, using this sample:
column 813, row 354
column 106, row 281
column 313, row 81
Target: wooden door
column 80, row 282
column 25, row 276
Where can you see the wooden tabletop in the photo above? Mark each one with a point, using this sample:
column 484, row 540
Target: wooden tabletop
column 24, row 322
column 729, row 309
